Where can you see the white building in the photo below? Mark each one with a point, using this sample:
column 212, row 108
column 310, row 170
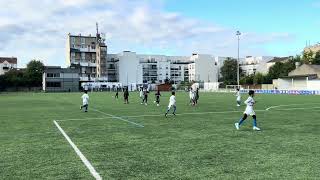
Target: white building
column 131, row 68
column 203, row 68
column 7, row 63
column 252, row 65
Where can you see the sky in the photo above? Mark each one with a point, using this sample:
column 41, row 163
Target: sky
column 33, row 29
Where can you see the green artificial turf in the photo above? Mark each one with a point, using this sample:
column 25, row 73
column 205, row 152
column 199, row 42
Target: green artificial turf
column 199, row 143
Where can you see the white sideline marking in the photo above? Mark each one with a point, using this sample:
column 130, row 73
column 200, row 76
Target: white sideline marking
column 272, row 107
column 152, row 115
column 94, row 173
column 296, row 109
column 120, row 118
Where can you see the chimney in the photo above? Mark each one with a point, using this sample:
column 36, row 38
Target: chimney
column 297, row 64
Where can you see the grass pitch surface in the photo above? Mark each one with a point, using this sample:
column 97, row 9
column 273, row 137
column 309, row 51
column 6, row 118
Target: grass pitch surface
column 199, row 143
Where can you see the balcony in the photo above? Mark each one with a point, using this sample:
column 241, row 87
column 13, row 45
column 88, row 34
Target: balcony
column 87, row 49
column 92, row 64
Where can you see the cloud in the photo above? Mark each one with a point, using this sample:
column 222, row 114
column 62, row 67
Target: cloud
column 38, row 29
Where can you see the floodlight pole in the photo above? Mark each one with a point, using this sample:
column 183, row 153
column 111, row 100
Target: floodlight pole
column 238, row 61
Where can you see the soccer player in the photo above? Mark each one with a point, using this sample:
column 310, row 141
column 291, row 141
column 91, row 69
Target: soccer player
column 238, row 97
column 249, row 111
column 196, row 98
column 172, row 103
column 145, row 97
column 191, row 96
column 85, row 101
column 126, row 96
column 158, row 97
column 141, row 93
column 117, row 94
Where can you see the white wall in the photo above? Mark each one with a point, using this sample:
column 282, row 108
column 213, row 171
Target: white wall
column 130, row 70
column 313, row 85
column 205, row 68
column 284, row 83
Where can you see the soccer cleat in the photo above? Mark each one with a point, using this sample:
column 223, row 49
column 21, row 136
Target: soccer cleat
column 237, row 126
column 174, row 114
column 255, row 128
column 165, row 115
column 141, row 103
column 158, row 104
column 146, row 104
column 238, row 105
column 80, row 107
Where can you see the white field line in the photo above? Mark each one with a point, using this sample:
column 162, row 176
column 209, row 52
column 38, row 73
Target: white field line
column 119, row 118
column 86, row 162
column 272, row 107
column 296, row 109
column 154, row 115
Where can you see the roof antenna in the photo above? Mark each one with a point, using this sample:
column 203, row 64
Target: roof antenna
column 97, row 27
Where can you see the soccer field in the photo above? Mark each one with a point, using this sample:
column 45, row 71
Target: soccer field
column 134, row 141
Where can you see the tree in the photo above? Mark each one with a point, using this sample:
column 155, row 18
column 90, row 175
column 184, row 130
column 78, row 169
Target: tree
column 34, row 71
column 258, row 78
column 307, row 57
column 229, row 71
column 316, row 59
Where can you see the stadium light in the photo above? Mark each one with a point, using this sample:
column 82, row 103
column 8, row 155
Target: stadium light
column 238, row 33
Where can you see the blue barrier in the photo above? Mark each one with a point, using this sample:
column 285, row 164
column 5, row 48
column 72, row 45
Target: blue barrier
column 276, row 91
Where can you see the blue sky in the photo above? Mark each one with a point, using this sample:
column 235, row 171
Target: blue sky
column 171, row 27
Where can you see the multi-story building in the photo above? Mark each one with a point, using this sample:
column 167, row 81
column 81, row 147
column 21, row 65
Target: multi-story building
column 57, row 79
column 251, row 65
column 7, row 63
column 203, row 68
column 89, row 54
column 129, row 67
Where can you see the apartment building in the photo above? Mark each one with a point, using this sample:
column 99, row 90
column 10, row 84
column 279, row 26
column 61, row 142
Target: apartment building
column 130, row 68
column 203, row 68
column 89, row 54
column 251, row 65
column 7, row 63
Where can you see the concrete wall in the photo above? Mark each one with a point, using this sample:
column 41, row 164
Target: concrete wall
column 205, row 68
column 130, row 70
column 313, row 85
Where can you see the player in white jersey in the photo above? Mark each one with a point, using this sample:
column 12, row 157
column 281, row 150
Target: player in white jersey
column 238, row 95
column 85, row 101
column 249, row 111
column 172, row 103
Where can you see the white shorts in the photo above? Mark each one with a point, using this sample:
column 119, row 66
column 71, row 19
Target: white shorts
column 249, row 111
column 170, row 105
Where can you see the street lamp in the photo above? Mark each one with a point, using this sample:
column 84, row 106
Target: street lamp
column 238, row 33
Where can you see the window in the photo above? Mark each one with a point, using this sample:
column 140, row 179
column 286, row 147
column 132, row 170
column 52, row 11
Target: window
column 53, row 84
column 53, row 75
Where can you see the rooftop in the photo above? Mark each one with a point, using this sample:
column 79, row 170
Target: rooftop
column 279, row 59
column 11, row 60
